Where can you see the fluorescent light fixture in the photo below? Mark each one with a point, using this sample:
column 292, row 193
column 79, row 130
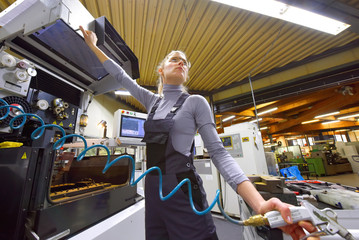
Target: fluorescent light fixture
column 263, row 128
column 255, row 120
column 268, row 111
column 350, row 116
column 123, row 93
column 326, row 115
column 335, row 121
column 311, row 121
column 289, row 13
column 228, row 118
column 342, row 130
column 270, row 144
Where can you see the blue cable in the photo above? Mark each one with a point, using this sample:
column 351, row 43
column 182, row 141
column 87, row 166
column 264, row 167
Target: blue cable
column 7, row 108
column 184, row 181
column 59, row 143
column 8, row 111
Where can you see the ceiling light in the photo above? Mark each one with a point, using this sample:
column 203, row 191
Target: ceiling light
column 342, row 130
column 255, row 120
column 228, row 118
column 293, row 138
column 123, row 93
column 270, row 144
column 311, row 121
column 350, row 116
column 326, row 115
column 263, row 128
column 268, row 111
column 289, row 13
column 331, row 122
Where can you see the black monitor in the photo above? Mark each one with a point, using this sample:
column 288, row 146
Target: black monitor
column 227, row 142
column 132, row 127
column 128, row 127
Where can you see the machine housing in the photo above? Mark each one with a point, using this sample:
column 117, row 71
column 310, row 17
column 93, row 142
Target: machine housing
column 50, row 193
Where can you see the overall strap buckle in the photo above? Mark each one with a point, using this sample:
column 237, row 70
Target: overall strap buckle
column 177, row 105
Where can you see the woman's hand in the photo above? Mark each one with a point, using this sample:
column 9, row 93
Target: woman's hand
column 89, row 36
column 294, row 230
column 91, row 40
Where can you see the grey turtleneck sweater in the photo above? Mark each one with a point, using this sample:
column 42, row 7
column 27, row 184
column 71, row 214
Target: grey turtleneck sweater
column 195, row 114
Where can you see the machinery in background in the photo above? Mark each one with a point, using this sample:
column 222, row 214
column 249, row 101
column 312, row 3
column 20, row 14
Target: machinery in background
column 350, row 150
column 328, row 160
column 49, row 193
column 244, row 143
column 210, row 177
column 334, row 195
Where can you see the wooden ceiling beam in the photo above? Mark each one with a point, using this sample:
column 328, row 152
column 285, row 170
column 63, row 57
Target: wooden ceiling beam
column 245, row 113
column 321, row 107
column 304, row 100
column 320, row 127
column 349, row 110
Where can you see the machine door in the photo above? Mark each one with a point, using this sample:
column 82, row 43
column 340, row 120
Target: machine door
column 16, row 177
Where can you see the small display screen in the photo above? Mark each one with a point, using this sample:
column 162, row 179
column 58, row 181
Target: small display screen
column 227, row 141
column 132, row 127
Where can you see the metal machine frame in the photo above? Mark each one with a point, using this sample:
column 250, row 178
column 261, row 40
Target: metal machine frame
column 45, row 32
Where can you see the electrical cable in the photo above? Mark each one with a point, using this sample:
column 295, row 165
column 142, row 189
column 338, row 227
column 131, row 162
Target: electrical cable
column 250, row 72
column 37, row 133
column 88, row 104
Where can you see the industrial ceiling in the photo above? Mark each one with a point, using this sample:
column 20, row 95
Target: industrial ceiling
column 301, row 71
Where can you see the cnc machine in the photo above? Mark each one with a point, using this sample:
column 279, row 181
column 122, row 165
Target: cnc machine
column 48, row 72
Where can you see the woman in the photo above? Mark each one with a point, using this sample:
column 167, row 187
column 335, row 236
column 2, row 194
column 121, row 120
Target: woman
column 172, row 122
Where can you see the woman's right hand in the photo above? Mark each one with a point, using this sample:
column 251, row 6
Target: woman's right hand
column 89, row 36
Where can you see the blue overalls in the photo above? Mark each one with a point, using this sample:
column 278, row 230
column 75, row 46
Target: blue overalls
column 174, row 218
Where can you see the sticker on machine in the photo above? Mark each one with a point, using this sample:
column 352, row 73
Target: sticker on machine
column 245, row 139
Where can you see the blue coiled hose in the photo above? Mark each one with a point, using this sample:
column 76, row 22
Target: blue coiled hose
column 37, row 133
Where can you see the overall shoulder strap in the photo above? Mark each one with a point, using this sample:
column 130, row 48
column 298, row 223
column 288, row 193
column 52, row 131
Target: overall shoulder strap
column 177, row 105
column 154, row 108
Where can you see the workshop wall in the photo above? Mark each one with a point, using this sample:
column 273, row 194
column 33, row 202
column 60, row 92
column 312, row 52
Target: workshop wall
column 102, row 107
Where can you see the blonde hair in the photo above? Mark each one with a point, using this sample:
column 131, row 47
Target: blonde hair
column 161, row 66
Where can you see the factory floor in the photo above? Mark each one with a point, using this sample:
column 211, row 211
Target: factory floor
column 348, row 179
column 225, row 229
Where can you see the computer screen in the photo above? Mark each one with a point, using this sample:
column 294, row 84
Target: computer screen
column 132, row 127
column 227, row 141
